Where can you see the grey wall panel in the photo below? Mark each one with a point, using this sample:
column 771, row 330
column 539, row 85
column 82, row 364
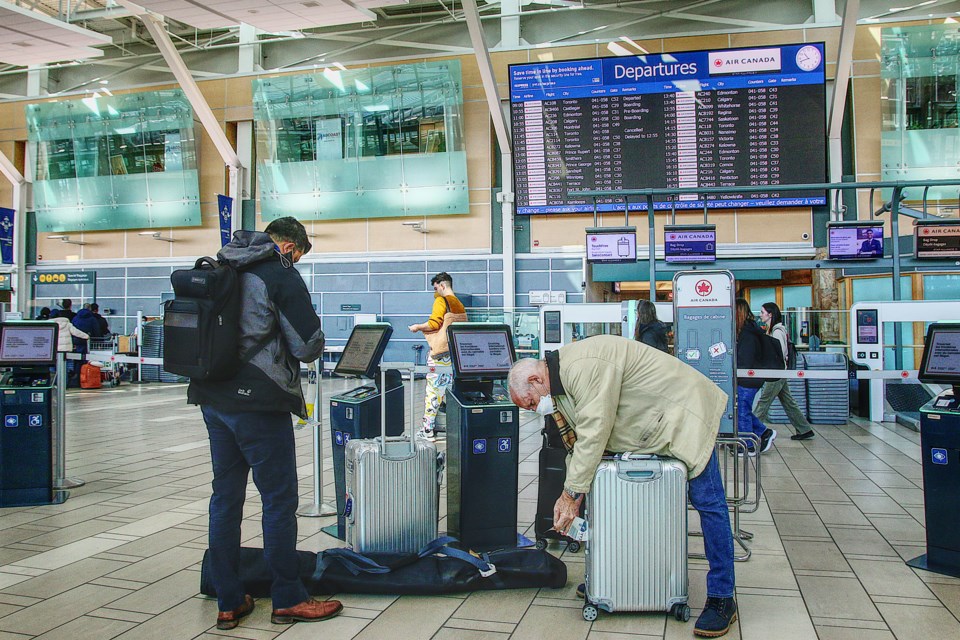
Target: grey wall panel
column 397, row 282
column 408, row 303
column 496, row 301
column 134, row 272
column 532, row 264
column 451, row 266
column 495, row 282
column 149, row 306
column 145, row 287
column 472, row 283
column 339, row 267
column 113, row 272
column 340, row 283
column 107, row 287
column 495, row 265
column 117, row 305
column 566, row 264
column 568, row 281
column 537, row 280
column 398, row 267
column 369, row 302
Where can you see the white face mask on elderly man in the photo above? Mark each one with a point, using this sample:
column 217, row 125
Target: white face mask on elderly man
column 545, row 406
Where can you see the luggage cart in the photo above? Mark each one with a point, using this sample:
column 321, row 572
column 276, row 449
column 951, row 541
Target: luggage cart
column 102, row 350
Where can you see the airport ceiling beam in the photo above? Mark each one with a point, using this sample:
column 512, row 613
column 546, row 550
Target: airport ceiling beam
column 841, row 81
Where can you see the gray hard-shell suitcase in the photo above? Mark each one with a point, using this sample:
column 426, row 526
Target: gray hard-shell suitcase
column 636, row 557
column 393, row 488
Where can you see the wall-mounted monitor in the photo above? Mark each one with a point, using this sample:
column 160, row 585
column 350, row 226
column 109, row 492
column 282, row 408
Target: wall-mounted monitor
column 941, row 354
column 690, row 243
column 28, row 344
column 364, row 349
column 936, row 239
column 481, row 351
column 719, row 118
column 855, row 240
column 611, row 245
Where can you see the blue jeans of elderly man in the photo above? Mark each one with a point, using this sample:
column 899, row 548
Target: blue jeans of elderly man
column 614, row 394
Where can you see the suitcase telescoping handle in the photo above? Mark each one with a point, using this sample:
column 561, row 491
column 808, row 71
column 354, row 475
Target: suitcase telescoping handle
column 627, row 467
column 399, row 366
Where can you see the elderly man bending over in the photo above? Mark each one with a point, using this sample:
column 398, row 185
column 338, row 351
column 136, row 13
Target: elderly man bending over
column 613, row 394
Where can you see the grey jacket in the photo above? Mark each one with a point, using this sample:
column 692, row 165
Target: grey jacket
column 276, row 312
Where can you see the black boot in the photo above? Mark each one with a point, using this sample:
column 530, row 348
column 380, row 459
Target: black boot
column 718, row 614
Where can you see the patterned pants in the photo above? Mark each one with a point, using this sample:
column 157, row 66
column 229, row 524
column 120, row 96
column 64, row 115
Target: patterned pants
column 437, row 384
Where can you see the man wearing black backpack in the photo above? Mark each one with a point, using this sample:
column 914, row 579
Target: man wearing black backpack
column 249, row 424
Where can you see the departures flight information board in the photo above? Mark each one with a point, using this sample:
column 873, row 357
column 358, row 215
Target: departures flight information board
column 722, row 118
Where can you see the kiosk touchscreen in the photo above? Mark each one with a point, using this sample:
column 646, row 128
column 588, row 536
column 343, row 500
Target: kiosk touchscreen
column 27, row 354
column 483, row 432
column 940, row 449
column 356, row 413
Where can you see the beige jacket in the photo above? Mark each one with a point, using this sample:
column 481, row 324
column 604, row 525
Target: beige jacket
column 622, row 395
column 64, row 341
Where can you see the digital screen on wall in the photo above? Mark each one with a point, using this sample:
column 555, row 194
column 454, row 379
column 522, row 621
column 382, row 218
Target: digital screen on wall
column 868, row 328
column 854, row 241
column 720, row 118
column 690, row 243
column 611, row 245
column 940, row 239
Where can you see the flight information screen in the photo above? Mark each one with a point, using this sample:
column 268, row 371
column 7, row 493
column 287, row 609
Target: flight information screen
column 724, row 118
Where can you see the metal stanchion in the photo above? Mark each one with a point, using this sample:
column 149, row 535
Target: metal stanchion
column 318, row 507
column 60, row 480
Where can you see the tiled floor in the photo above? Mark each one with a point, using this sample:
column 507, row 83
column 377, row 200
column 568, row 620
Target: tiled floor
column 120, row 559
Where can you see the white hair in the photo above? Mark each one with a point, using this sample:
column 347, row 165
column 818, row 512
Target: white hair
column 519, row 379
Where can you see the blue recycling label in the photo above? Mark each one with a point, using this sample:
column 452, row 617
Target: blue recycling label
column 480, row 446
column 347, row 507
column 504, row 445
column 338, row 437
column 938, row 456
column 35, row 420
column 346, row 438
column 11, row 421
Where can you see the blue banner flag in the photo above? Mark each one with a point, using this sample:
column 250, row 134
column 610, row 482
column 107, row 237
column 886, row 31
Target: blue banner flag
column 225, row 206
column 6, row 235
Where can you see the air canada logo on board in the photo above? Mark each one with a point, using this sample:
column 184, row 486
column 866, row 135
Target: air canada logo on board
column 704, row 288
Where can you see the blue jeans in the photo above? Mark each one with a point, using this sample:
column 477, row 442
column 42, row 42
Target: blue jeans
column 746, row 421
column 709, row 499
column 262, row 441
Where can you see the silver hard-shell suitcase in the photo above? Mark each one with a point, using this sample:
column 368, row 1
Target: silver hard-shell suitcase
column 636, row 557
column 393, row 488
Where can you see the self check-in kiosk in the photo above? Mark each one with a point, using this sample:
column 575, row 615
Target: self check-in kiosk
column 483, row 432
column 356, row 413
column 28, row 354
column 940, row 448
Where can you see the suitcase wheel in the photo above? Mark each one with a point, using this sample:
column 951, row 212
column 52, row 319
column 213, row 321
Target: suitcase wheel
column 541, row 544
column 573, row 546
column 590, row 612
column 680, row 611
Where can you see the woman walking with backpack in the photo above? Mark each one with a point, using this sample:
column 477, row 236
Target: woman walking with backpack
column 772, row 319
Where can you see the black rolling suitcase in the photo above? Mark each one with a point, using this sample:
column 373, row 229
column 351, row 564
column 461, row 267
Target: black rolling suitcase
column 553, row 472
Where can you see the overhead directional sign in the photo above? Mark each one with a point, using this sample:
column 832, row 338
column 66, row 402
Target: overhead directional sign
column 64, row 277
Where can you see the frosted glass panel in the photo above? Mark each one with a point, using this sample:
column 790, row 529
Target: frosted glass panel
column 366, row 143
column 115, row 162
column 759, row 295
column 945, row 287
column 880, row 289
column 800, row 296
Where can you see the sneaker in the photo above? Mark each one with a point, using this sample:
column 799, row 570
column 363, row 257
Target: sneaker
column 227, row 620
column 766, row 440
column 427, row 434
column 806, row 435
column 307, row 611
column 718, row 614
column 751, row 450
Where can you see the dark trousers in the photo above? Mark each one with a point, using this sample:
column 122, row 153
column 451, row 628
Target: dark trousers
column 709, row 499
column 263, row 442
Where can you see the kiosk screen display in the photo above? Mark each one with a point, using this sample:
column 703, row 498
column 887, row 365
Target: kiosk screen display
column 941, row 355
column 868, row 331
column 690, row 244
column 612, row 245
column 481, row 351
column 855, row 242
column 363, row 350
column 23, row 344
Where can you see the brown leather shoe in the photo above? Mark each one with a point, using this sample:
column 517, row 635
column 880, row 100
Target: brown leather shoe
column 227, row 620
column 308, row 611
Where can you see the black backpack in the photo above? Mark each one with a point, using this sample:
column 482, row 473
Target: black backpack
column 201, row 325
column 771, row 354
column 791, row 351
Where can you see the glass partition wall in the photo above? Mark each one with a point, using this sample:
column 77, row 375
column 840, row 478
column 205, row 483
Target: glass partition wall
column 115, row 162
column 365, row 143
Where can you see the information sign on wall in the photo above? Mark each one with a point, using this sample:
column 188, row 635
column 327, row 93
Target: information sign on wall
column 64, row 277
column 704, row 331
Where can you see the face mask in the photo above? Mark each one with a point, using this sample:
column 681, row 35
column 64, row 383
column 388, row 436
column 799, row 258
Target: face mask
column 545, row 406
